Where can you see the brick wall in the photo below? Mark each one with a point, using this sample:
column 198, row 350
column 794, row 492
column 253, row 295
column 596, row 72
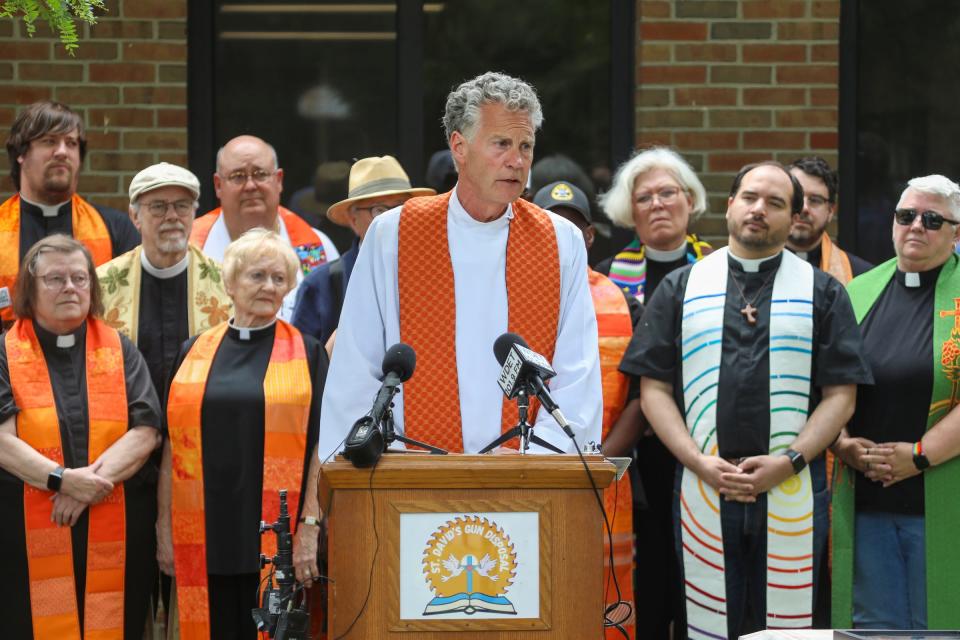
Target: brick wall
column 128, row 79
column 727, row 82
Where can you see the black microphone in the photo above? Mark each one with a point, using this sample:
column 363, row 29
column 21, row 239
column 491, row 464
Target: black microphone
column 520, row 367
column 365, row 443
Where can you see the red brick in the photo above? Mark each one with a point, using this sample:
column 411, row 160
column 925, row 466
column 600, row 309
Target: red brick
column 673, row 31
column 121, row 117
column 808, row 74
column 162, row 52
column 173, row 73
column 774, row 53
column 6, row 70
column 713, row 229
column 155, row 95
column 674, row 74
column 25, row 50
column 740, row 118
column 775, row 96
column 654, row 9
column 102, row 140
column 824, row 140
column 155, row 140
column 740, row 74
column 808, row 30
column 88, row 95
column 123, row 72
column 694, row 96
column 824, row 97
column 669, row 118
column 7, row 116
column 25, row 94
column 824, row 53
column 89, row 50
column 155, row 9
column 775, row 9
column 826, row 9
column 652, row 137
column 119, row 203
column 173, row 30
column 123, row 29
column 174, row 158
column 653, row 53
column 106, row 161
column 733, row 161
column 807, row 118
column 773, row 140
column 50, row 72
column 653, row 97
column 97, row 183
column 172, row 118
column 705, row 52
column 707, row 140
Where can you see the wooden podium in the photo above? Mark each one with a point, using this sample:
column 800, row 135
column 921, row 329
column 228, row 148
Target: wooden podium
column 475, row 497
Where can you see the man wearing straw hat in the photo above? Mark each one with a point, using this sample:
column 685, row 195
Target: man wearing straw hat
column 376, row 185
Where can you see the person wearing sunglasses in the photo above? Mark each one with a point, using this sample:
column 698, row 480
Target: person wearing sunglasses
column 895, row 560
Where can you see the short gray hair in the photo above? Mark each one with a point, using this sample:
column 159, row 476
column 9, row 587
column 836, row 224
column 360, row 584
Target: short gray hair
column 617, row 203
column 254, row 244
column 937, row 185
column 463, row 104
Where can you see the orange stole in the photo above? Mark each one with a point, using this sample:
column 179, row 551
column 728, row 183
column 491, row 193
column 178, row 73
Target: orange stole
column 53, row 598
column 287, row 394
column 428, row 315
column 88, row 228
column 835, row 261
column 615, row 330
column 299, row 231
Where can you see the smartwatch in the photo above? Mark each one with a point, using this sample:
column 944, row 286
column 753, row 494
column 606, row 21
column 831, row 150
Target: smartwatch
column 920, row 461
column 55, row 479
column 796, row 460
column 310, row 520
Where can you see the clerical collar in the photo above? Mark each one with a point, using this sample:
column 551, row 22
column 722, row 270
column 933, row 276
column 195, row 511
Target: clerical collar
column 463, row 217
column 918, row 279
column 665, row 256
column 48, row 210
column 753, row 265
column 50, row 339
column 249, row 333
column 803, row 255
column 167, row 272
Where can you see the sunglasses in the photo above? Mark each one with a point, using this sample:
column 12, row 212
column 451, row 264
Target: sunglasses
column 930, row 219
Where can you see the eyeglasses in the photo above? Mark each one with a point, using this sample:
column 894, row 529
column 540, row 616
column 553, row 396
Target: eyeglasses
column 159, row 208
column 665, row 196
column 815, row 201
column 58, row 281
column 374, row 209
column 239, row 178
column 930, row 219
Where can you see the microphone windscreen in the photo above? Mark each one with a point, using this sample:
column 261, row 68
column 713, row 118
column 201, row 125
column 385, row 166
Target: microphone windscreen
column 401, row 360
column 501, row 346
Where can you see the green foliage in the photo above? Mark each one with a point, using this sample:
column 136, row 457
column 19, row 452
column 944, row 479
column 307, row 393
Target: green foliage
column 61, row 15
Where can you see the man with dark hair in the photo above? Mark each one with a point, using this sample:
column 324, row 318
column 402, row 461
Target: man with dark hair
column 748, row 363
column 808, row 235
column 46, row 147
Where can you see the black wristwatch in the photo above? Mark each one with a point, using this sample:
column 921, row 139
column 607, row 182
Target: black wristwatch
column 796, row 459
column 920, row 460
column 55, row 479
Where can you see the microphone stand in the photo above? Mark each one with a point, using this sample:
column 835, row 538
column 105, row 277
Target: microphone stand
column 523, row 428
column 390, row 435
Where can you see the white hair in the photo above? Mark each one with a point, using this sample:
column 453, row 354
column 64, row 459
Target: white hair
column 937, row 185
column 618, row 201
column 462, row 112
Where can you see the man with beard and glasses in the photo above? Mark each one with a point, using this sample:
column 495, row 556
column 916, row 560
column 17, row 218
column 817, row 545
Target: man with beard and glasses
column 46, row 147
column 748, row 363
column 808, row 235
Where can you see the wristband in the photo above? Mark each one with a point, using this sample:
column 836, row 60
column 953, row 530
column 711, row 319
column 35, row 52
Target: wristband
column 310, row 520
column 920, row 460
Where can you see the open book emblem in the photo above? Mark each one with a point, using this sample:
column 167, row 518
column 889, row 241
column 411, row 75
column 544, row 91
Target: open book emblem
column 470, row 564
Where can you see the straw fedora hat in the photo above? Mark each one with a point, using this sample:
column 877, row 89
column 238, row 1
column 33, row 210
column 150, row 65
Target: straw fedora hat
column 373, row 177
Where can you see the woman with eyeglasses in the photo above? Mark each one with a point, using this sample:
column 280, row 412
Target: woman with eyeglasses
column 78, row 419
column 243, row 412
column 896, row 564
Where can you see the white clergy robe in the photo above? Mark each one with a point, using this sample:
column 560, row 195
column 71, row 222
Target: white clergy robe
column 370, row 323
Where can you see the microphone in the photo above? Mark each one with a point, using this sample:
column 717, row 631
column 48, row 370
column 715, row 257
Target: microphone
column 523, row 367
column 365, row 443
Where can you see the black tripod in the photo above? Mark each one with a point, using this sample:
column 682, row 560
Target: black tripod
column 390, row 435
column 523, row 429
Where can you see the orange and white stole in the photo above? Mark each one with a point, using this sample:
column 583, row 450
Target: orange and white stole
column 789, row 562
column 287, row 392
column 53, row 598
column 88, row 228
column 614, row 332
column 428, row 314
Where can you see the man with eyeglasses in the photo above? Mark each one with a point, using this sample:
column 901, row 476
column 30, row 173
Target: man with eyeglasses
column 376, row 185
column 165, row 290
column 896, row 564
column 46, row 147
column 808, row 235
column 248, row 183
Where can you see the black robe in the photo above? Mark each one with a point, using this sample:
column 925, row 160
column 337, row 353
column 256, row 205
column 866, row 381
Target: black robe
column 35, row 226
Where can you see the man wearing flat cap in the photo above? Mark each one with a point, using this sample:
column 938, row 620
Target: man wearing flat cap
column 376, row 185
column 165, row 290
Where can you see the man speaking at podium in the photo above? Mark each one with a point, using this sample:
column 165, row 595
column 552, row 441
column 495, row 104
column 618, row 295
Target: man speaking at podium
column 448, row 274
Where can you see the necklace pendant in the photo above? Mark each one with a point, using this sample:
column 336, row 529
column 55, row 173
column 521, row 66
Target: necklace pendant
column 750, row 313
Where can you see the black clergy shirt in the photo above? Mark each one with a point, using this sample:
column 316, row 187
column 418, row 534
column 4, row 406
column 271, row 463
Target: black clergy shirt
column 858, row 265
column 743, row 404
column 163, row 324
column 232, row 416
column 35, row 226
column 898, row 343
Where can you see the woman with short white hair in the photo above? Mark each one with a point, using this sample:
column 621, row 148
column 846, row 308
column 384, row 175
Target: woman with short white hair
column 243, row 414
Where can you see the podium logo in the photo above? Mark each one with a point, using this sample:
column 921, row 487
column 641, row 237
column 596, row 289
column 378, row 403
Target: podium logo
column 469, row 564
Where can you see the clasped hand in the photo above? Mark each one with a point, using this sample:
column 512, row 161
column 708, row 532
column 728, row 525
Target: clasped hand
column 744, row 481
column 80, row 488
column 887, row 462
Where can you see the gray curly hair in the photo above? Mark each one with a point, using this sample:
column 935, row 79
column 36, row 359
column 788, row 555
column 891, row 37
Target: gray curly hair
column 937, row 185
column 463, row 104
